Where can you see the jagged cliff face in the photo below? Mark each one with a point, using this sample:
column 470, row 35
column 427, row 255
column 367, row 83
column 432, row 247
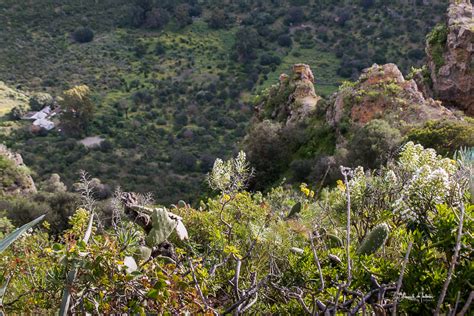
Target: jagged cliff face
column 14, row 175
column 383, row 93
column 293, row 99
column 450, row 49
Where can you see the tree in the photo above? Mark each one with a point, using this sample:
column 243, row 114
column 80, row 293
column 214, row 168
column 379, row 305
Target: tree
column 285, row 40
column 83, row 35
column 156, row 18
column 40, row 100
column 246, row 41
column 181, row 13
column 295, row 15
column 267, row 153
column 373, row 144
column 218, row 19
column 53, row 184
column 77, row 110
column 17, row 112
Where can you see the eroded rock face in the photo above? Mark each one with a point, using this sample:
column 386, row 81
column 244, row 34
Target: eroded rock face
column 450, row 58
column 383, row 92
column 14, row 175
column 293, row 99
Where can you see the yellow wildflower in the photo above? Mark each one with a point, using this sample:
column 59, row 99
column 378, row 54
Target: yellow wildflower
column 341, row 186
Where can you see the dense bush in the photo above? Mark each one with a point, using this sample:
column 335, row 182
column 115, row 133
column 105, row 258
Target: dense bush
column 218, row 19
column 285, row 40
column 295, row 15
column 17, row 112
column 445, row 136
column 83, row 35
column 374, row 144
column 40, row 100
column 286, row 252
column 436, row 42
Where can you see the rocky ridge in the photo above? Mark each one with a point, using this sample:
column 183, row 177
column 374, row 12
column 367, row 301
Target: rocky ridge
column 14, row 175
column 382, row 92
column 292, row 99
column 450, row 49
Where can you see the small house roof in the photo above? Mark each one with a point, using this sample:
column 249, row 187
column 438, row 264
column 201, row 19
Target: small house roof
column 44, row 123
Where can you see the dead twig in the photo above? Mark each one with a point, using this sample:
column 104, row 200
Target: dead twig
column 345, row 173
column 454, row 260
column 316, row 259
column 249, row 294
column 465, row 308
column 400, row 279
column 196, row 284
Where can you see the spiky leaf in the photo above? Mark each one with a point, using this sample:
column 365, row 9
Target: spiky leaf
column 9, row 239
column 294, row 210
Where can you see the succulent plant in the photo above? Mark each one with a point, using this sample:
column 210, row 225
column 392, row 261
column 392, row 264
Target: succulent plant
column 294, row 210
column 333, row 241
column 163, row 224
column 144, row 253
column 374, row 240
column 182, row 204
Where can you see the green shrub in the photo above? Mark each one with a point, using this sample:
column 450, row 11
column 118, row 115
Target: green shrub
column 83, row 35
column 445, row 136
column 436, row 42
column 372, row 145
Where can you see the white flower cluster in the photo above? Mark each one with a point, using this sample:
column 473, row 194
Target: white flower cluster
column 230, row 175
column 412, row 188
column 430, row 181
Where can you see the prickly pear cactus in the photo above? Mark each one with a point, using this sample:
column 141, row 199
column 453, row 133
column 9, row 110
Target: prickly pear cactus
column 374, row 240
column 163, row 226
column 182, row 204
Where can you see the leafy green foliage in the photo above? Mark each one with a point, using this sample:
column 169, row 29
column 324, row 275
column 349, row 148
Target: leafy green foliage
column 77, row 110
column 193, row 73
column 445, row 136
column 436, row 41
column 250, row 235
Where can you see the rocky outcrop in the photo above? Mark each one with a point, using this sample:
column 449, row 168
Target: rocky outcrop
column 14, row 175
column 383, row 93
column 292, row 99
column 450, row 57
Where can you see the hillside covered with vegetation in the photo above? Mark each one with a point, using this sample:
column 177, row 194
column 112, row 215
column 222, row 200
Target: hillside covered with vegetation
column 172, row 82
column 201, row 157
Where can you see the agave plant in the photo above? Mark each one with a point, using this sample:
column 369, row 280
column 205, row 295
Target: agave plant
column 6, row 242
column 9, row 239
